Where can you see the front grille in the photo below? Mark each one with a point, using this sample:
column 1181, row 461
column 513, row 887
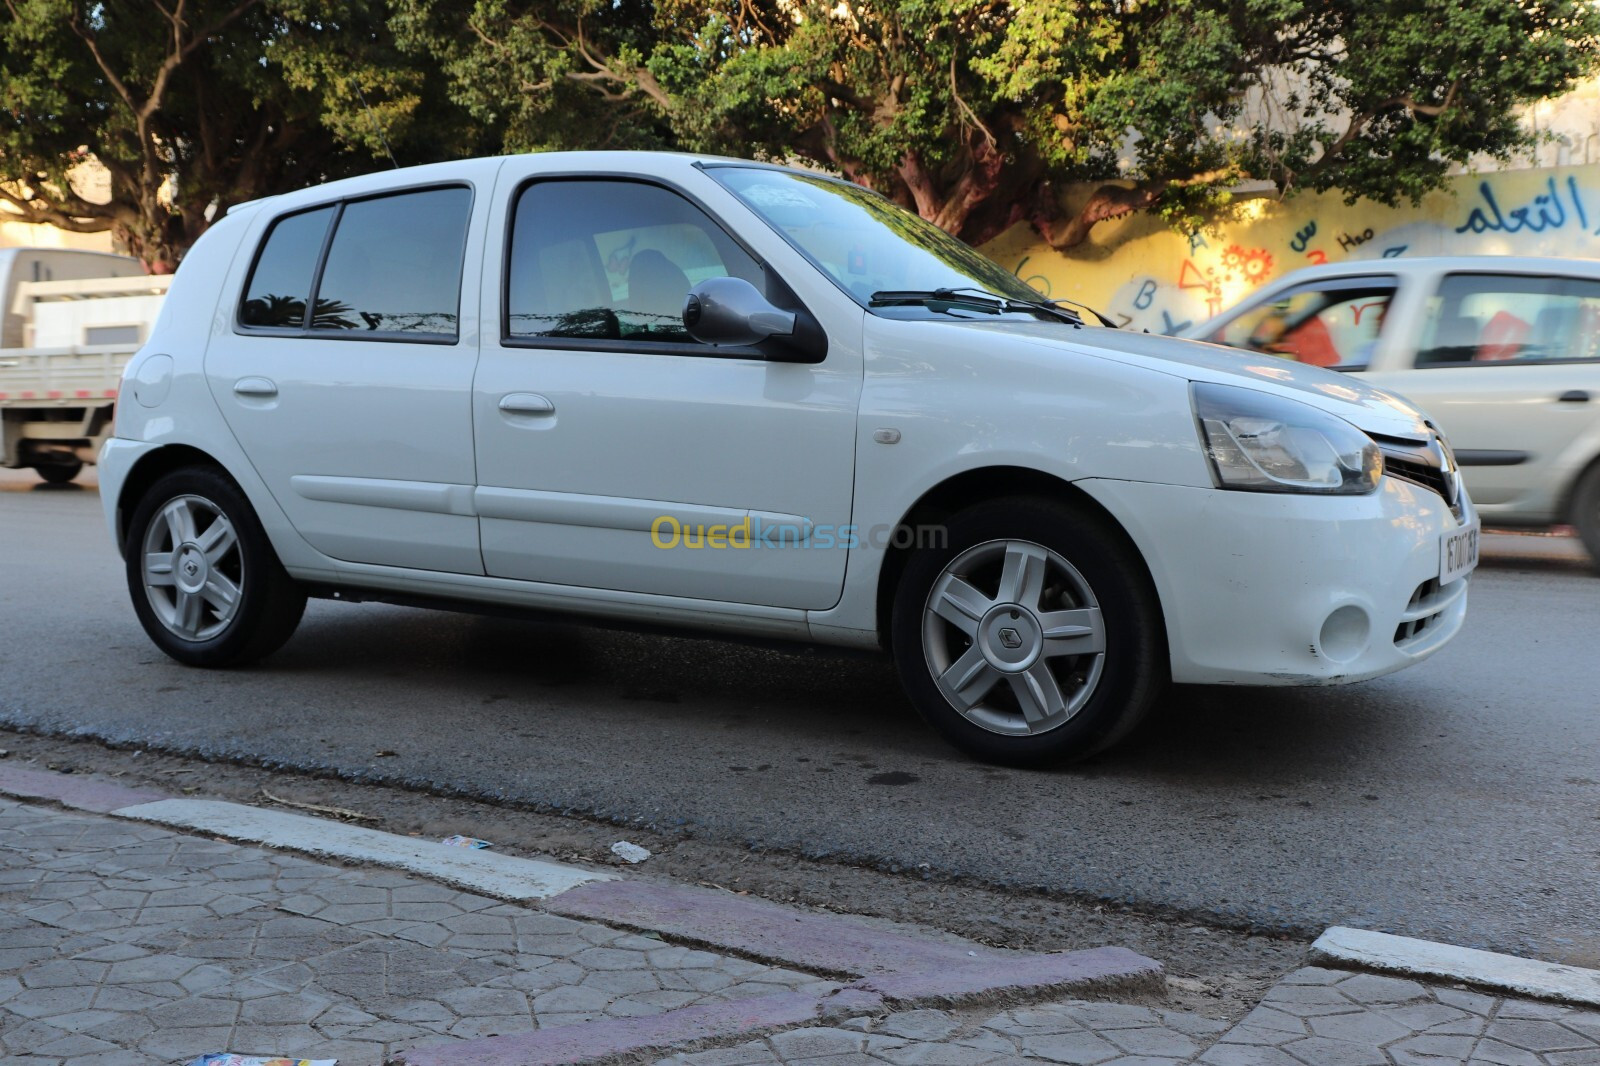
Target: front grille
column 1406, row 469
column 1426, row 464
column 1419, row 617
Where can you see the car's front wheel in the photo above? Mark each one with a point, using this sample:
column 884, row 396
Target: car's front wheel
column 206, row 584
column 1586, row 511
column 1032, row 636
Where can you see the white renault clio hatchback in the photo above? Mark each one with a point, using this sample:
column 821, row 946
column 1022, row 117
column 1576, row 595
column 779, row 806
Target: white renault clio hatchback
column 730, row 397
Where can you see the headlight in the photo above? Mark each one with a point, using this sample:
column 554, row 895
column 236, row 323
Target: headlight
column 1264, row 443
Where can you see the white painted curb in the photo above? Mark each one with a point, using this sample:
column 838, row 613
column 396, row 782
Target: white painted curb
column 1423, row 958
column 497, row 876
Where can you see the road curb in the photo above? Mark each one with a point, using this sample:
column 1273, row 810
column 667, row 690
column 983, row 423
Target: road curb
column 71, row 790
column 1364, row 949
column 831, row 944
column 488, row 873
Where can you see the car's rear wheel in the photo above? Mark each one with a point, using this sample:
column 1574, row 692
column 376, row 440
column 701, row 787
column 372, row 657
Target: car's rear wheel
column 59, row 473
column 206, row 584
column 1586, row 511
column 1032, row 637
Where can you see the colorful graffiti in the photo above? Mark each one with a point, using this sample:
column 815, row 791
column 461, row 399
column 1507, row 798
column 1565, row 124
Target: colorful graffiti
column 1147, row 277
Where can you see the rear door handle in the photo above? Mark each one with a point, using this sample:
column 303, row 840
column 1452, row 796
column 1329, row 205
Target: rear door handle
column 254, row 387
column 1574, row 396
column 526, row 403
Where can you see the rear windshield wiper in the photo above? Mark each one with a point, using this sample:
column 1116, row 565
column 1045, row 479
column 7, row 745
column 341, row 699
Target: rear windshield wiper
column 975, row 298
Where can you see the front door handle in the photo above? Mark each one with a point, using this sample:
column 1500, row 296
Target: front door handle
column 258, row 387
column 526, row 403
column 1574, row 396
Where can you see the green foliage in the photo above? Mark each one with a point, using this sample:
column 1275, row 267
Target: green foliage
column 972, row 112
column 193, row 105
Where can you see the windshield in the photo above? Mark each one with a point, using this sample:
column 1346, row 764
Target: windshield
column 862, row 241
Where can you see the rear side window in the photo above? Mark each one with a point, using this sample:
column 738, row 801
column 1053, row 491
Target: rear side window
column 1498, row 318
column 280, row 285
column 612, row 260
column 392, row 268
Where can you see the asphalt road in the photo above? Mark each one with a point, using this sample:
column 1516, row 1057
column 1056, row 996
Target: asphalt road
column 1459, row 800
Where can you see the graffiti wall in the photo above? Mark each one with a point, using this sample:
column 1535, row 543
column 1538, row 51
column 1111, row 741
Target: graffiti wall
column 1146, row 276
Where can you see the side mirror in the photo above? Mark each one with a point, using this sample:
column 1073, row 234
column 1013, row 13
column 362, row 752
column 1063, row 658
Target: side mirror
column 731, row 311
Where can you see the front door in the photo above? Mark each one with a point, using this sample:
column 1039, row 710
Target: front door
column 613, row 451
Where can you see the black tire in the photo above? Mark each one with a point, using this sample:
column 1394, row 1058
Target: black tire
column 1586, row 511
column 1102, row 569
column 268, row 603
column 60, row 473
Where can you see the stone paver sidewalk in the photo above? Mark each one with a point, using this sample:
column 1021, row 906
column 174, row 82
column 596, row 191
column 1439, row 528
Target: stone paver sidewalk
column 1313, row 1017
column 122, row 943
column 125, row 943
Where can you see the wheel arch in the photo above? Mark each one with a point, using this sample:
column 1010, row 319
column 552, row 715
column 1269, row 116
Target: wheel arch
column 1567, row 511
column 151, row 468
column 975, row 486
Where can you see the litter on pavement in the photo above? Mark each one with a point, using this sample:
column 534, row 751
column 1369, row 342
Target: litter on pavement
column 628, row 852
column 456, row 840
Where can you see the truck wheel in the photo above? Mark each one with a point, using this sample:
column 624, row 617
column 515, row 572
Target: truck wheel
column 206, row 584
column 1586, row 511
column 60, row 473
column 1033, row 637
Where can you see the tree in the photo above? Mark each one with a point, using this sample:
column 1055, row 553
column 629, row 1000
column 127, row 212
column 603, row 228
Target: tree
column 191, row 106
column 974, row 112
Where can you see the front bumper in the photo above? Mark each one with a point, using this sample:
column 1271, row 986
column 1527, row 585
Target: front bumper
column 1270, row 589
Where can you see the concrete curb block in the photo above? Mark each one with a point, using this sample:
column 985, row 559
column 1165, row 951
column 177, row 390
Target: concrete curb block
column 1024, row 978
column 755, row 928
column 498, row 876
column 1342, row 946
column 70, row 790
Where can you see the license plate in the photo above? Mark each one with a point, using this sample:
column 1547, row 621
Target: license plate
column 1458, row 553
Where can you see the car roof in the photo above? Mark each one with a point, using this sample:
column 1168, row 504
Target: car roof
column 621, row 162
column 1436, row 264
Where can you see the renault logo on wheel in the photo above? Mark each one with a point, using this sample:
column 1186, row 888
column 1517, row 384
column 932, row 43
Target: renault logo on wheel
column 1010, row 638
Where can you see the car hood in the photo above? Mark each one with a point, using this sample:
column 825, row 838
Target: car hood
column 1372, row 409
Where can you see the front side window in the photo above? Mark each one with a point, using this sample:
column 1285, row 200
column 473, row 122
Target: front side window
column 392, row 269
column 612, row 260
column 1331, row 323
column 1492, row 318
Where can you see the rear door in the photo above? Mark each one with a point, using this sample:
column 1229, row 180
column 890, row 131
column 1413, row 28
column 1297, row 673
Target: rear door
column 347, row 375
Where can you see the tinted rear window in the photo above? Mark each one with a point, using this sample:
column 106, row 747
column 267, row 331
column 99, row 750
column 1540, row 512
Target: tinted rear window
column 395, row 265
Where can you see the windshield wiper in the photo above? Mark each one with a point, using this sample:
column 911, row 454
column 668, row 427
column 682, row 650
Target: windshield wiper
column 1102, row 319
column 976, row 298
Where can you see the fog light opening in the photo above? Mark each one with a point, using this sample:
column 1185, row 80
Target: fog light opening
column 1345, row 634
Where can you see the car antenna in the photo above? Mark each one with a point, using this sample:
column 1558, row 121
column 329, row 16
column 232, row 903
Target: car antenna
column 376, row 128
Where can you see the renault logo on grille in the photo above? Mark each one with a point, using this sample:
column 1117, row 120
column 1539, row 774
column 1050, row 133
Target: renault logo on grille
column 1449, row 473
column 1010, row 638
